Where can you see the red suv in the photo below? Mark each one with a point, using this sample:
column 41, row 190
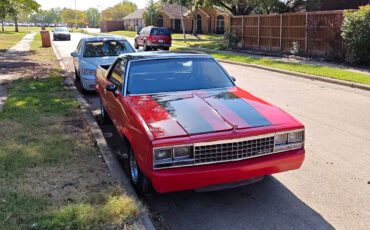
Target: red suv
column 153, row 38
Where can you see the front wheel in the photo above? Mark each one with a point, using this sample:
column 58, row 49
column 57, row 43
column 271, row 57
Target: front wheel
column 166, row 48
column 104, row 116
column 140, row 182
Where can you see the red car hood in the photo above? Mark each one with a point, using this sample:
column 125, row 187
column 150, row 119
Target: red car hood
column 205, row 111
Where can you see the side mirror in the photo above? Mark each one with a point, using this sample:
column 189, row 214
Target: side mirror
column 233, row 78
column 74, row 54
column 111, row 88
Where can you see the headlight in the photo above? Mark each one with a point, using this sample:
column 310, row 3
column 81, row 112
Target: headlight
column 181, row 152
column 88, row 71
column 289, row 140
column 164, row 157
column 281, row 139
column 162, row 154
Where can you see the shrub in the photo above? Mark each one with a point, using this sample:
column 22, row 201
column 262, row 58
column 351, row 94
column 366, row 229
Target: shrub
column 356, row 35
column 232, row 38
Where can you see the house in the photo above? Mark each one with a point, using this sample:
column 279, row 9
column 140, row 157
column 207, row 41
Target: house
column 209, row 19
column 135, row 19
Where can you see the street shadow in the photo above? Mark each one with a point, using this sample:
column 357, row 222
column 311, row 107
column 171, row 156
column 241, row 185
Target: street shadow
column 264, row 205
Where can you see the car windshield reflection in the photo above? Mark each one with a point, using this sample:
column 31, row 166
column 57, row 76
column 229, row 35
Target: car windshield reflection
column 106, row 48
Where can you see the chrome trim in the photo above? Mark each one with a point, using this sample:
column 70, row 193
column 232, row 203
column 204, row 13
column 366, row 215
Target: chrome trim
column 293, row 146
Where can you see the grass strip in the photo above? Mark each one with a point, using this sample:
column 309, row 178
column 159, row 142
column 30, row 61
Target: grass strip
column 296, row 67
column 51, row 175
column 9, row 39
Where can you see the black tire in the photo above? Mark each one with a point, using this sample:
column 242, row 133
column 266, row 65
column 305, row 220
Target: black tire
column 166, row 48
column 105, row 119
column 155, row 48
column 136, row 45
column 140, row 182
column 79, row 85
column 146, row 48
column 54, row 38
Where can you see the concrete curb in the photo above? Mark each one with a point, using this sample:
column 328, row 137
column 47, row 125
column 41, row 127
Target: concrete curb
column 302, row 75
column 111, row 161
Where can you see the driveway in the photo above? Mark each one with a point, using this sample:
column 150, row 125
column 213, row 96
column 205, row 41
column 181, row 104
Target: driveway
column 332, row 188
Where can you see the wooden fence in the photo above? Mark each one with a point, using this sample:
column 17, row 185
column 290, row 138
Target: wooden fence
column 317, row 33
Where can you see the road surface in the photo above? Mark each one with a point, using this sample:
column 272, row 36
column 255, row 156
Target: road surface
column 332, row 188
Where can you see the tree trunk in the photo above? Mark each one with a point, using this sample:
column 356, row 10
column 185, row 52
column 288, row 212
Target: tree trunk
column 182, row 22
column 195, row 19
column 2, row 25
column 16, row 23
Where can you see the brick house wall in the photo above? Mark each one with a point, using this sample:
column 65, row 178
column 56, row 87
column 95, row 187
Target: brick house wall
column 209, row 20
column 108, row 26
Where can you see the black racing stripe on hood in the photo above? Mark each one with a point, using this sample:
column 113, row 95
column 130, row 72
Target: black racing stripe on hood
column 242, row 109
column 184, row 114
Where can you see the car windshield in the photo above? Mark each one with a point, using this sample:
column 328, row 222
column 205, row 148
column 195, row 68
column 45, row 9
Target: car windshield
column 180, row 74
column 60, row 30
column 106, row 48
column 159, row 31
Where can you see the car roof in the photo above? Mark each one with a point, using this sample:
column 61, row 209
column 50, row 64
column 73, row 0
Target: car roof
column 164, row 55
column 104, row 38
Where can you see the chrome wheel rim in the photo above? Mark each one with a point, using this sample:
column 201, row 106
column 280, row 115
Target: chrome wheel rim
column 102, row 112
column 133, row 168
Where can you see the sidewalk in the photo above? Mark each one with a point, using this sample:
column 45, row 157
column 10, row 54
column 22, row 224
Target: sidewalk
column 12, row 63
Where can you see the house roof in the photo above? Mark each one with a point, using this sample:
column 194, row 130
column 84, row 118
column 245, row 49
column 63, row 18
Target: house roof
column 137, row 14
column 173, row 10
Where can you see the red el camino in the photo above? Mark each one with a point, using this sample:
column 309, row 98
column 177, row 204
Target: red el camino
column 188, row 126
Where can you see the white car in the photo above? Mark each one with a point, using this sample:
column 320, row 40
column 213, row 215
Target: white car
column 93, row 51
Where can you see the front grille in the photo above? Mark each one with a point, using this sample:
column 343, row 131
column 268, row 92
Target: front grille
column 222, row 152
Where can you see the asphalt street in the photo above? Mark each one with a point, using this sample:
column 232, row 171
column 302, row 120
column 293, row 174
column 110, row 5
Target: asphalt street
column 331, row 189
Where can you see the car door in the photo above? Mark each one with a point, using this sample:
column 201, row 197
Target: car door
column 114, row 100
column 76, row 60
column 141, row 36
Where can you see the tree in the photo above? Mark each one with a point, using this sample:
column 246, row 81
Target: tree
column 69, row 16
column 93, row 17
column 16, row 7
column 52, row 16
column 150, row 15
column 118, row 11
column 3, row 12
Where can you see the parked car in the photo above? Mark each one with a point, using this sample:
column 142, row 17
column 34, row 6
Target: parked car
column 51, row 25
column 153, row 38
column 188, row 126
column 92, row 51
column 61, row 33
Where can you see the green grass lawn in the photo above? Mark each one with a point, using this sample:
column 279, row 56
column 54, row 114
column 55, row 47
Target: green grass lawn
column 51, row 175
column 132, row 34
column 125, row 33
column 201, row 36
column 9, row 39
column 302, row 68
column 200, row 44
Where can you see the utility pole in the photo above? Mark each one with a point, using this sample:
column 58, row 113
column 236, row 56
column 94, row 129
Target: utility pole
column 76, row 12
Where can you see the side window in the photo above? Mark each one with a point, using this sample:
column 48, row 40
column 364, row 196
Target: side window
column 79, row 47
column 118, row 73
